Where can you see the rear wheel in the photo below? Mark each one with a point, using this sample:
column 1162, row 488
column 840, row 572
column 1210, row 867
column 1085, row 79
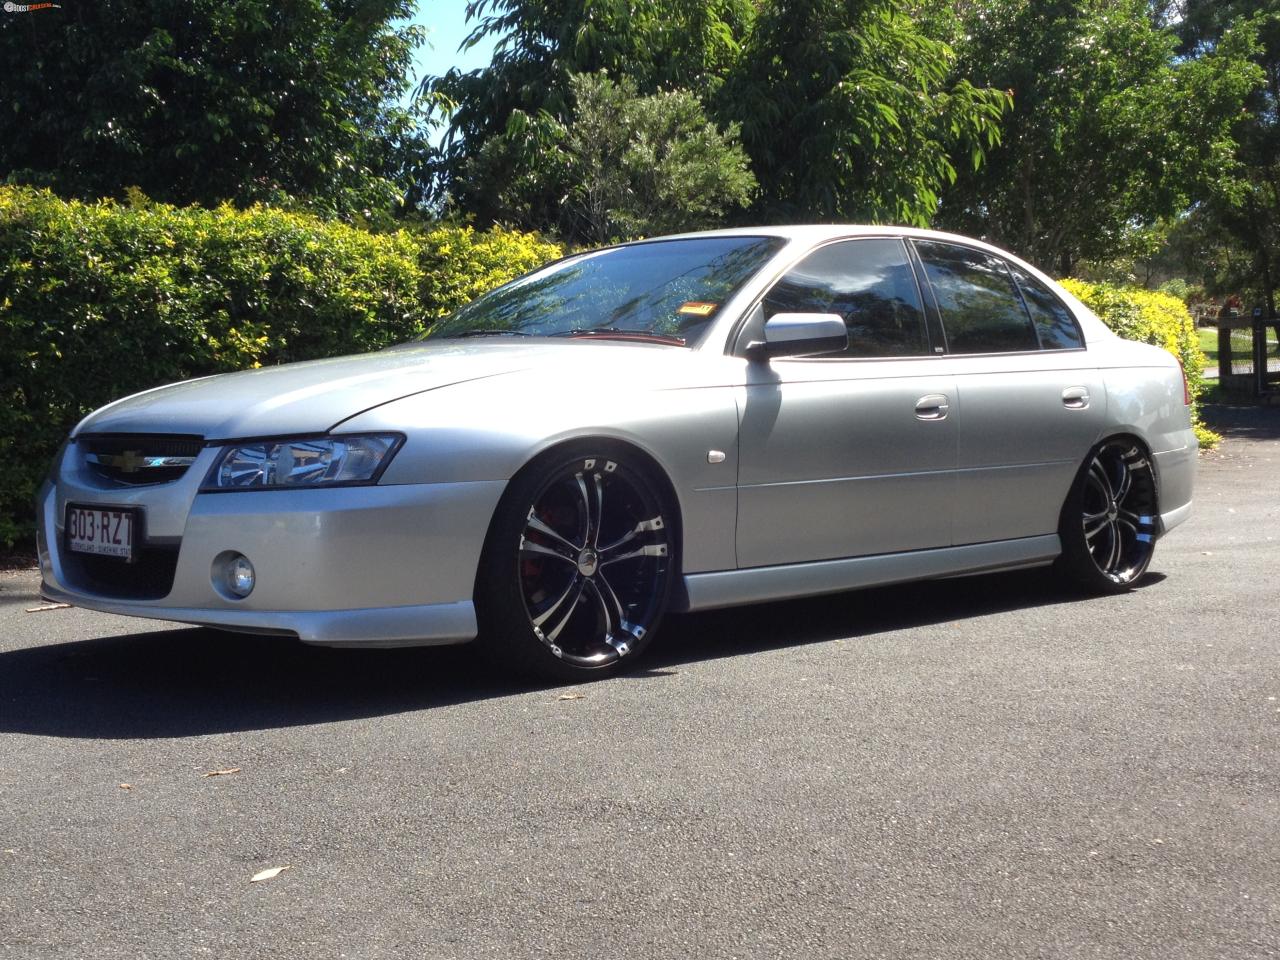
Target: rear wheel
column 577, row 567
column 1109, row 523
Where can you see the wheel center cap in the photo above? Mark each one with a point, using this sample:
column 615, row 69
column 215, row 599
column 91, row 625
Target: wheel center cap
column 1112, row 512
column 588, row 562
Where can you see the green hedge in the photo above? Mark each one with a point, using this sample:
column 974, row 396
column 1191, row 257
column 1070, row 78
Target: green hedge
column 1162, row 319
column 99, row 300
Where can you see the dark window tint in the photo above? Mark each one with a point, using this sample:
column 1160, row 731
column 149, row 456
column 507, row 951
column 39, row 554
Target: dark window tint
column 869, row 283
column 980, row 306
column 1055, row 324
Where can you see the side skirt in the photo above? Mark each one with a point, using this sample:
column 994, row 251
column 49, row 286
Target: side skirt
column 727, row 588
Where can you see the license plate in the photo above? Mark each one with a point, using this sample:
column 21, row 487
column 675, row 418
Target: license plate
column 103, row 532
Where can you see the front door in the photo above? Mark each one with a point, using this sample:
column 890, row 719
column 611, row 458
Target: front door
column 852, row 454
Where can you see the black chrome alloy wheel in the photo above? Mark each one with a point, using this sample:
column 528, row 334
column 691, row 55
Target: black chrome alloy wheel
column 1110, row 522
column 580, row 566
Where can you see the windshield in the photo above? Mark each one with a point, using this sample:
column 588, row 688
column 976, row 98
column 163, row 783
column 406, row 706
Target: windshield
column 666, row 291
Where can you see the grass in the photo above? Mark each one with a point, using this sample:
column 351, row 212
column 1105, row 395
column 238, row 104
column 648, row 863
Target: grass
column 1209, row 344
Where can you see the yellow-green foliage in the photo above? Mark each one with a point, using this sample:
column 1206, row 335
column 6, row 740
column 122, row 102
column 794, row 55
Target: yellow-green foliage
column 1151, row 317
column 99, row 300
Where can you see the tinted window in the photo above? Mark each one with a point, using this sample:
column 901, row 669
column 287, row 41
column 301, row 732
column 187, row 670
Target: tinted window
column 1055, row 324
column 869, row 283
column 980, row 306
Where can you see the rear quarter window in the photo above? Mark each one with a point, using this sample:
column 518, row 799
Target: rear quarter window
column 1055, row 324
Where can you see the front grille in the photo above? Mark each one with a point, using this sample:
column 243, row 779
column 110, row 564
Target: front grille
column 149, row 577
column 138, row 459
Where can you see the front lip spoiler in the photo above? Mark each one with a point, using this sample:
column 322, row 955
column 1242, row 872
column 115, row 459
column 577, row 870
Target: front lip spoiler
column 432, row 624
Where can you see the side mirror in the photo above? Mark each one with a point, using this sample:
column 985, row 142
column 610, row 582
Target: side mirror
column 800, row 335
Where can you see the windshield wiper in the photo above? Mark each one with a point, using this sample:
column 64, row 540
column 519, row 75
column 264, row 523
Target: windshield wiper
column 617, row 333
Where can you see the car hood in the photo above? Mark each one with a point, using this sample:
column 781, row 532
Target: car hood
column 318, row 395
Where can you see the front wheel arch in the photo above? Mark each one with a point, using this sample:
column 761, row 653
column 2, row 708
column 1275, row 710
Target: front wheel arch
column 504, row 603
column 566, row 448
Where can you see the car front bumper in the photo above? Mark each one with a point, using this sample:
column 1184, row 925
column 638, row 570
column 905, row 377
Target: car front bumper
column 389, row 565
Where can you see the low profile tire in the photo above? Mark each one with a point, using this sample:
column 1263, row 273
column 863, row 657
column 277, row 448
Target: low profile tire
column 1109, row 522
column 577, row 566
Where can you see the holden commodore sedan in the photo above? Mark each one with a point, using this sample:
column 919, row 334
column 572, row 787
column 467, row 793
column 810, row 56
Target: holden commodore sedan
column 678, row 424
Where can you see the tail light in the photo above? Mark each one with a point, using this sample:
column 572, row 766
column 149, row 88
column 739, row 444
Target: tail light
column 1186, row 386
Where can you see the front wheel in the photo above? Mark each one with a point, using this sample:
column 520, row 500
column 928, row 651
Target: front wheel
column 1109, row 522
column 577, row 566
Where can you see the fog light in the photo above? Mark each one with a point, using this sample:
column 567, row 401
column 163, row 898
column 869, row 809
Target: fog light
column 238, row 575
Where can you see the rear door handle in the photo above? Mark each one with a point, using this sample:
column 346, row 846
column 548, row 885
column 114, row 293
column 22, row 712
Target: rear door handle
column 936, row 406
column 1075, row 398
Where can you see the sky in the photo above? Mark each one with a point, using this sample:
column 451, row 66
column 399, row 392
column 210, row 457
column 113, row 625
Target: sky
column 446, row 22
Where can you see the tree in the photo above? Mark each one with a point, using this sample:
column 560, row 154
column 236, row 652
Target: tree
column 1110, row 131
column 621, row 165
column 1240, row 221
column 543, row 44
column 847, row 112
column 844, row 105
column 200, row 101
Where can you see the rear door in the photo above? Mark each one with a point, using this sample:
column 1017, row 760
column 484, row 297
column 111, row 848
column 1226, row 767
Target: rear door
column 1030, row 399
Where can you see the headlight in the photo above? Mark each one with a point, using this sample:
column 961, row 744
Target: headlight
column 312, row 462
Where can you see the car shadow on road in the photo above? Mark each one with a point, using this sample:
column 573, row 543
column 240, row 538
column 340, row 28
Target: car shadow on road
column 194, row 681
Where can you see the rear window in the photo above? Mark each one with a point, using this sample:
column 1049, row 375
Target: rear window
column 980, row 306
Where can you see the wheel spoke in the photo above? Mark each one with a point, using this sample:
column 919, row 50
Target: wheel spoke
column 599, row 491
column 536, row 524
column 1113, row 555
column 648, row 550
column 1126, row 483
column 620, row 639
column 1100, row 523
column 586, row 508
column 1099, row 475
column 565, row 603
column 1133, row 519
column 612, row 617
column 644, row 526
column 529, row 546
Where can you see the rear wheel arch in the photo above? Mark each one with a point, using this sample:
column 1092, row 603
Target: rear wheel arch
column 1110, row 521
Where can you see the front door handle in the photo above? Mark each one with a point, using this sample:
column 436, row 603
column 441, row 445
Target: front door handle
column 936, row 406
column 1075, row 398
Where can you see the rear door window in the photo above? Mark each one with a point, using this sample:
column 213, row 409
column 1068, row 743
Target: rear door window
column 976, row 296
column 870, row 285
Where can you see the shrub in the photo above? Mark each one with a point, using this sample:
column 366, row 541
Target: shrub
column 1157, row 318
column 99, row 300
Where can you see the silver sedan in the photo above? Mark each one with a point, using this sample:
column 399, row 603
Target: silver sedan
column 679, row 424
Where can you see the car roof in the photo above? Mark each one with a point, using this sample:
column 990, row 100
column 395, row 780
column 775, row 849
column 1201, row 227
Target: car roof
column 817, row 232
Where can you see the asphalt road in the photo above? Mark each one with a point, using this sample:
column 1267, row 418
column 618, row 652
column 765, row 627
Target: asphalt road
column 989, row 767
